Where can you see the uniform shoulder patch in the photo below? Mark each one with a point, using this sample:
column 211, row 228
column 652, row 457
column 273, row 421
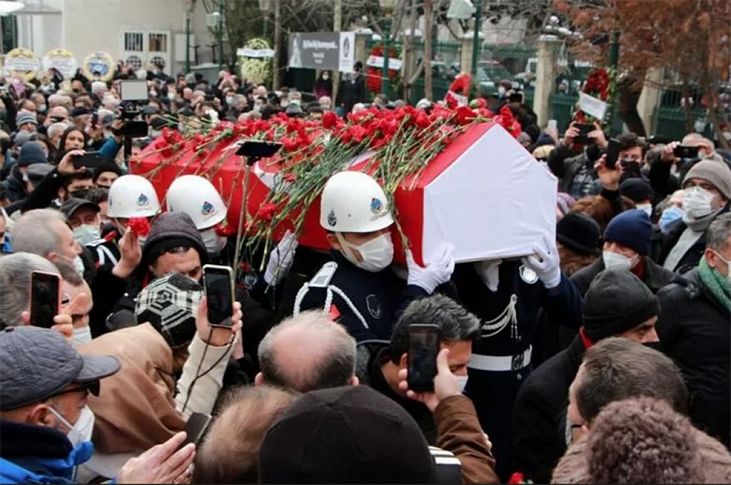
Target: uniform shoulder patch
column 324, row 276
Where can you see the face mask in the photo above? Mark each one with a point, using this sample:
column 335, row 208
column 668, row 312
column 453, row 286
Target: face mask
column 214, row 243
column 82, row 335
column 697, row 203
column 80, row 431
column 670, row 215
column 501, row 90
column 78, row 264
column 616, row 261
column 42, row 108
column 325, row 77
column 377, row 253
column 728, row 267
column 646, row 208
column 229, row 100
column 462, row 382
column 171, row 96
column 86, row 234
column 80, row 193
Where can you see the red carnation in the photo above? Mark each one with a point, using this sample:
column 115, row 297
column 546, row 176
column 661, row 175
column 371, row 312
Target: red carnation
column 451, row 100
column 139, row 225
column 224, row 229
column 266, row 211
column 329, row 120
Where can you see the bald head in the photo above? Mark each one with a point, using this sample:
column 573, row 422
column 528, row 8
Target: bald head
column 307, row 352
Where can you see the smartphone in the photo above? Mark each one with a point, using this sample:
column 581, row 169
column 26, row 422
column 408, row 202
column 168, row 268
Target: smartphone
column 89, row 160
column 552, row 125
column 134, row 129
column 682, row 151
column 584, row 130
column 218, row 281
column 612, row 154
column 45, row 298
column 196, row 427
column 422, row 356
column 255, row 149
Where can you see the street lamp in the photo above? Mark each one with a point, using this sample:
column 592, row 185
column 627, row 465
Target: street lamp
column 388, row 7
column 264, row 7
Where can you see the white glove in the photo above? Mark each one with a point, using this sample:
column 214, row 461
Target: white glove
column 545, row 263
column 280, row 259
column 438, row 269
column 489, row 272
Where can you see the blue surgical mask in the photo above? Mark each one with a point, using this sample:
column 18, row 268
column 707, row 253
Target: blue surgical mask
column 670, row 215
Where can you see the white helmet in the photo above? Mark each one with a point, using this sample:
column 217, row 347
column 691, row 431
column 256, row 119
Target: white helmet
column 132, row 196
column 354, row 202
column 198, row 198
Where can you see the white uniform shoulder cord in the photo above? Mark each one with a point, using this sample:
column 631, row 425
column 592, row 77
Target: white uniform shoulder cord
column 104, row 252
column 328, row 301
column 497, row 324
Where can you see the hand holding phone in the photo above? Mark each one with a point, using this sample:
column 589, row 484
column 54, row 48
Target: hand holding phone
column 687, row 152
column 612, row 154
column 89, row 160
column 218, row 282
column 195, row 428
column 584, row 129
column 422, row 356
column 45, row 298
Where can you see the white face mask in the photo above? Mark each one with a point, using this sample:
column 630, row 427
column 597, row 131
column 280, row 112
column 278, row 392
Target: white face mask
column 728, row 267
column 325, row 76
column 616, row 261
column 462, row 380
column 646, row 208
column 697, row 203
column 377, row 253
column 86, row 234
column 82, row 335
column 80, row 431
column 229, row 100
column 171, row 96
column 78, row 264
column 214, row 243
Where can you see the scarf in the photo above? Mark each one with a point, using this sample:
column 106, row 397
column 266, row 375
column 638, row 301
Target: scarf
column 718, row 285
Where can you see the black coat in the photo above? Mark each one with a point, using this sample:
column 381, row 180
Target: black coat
column 539, row 414
column 695, row 331
column 656, row 277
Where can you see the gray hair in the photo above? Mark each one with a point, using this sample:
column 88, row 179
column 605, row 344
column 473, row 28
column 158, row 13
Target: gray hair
column 719, row 232
column 15, row 275
column 56, row 129
column 332, row 364
column 454, row 321
column 34, row 233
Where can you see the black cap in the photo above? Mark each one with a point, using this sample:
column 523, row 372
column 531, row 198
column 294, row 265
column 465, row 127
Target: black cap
column 636, row 189
column 80, row 110
column 616, row 301
column 38, row 363
column 345, row 435
column 108, row 166
column 75, row 203
column 171, row 230
column 579, row 233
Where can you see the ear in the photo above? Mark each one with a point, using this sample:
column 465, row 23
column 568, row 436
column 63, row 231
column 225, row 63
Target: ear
column 711, row 257
column 259, row 379
column 354, row 381
column 41, row 416
column 404, row 361
column 333, row 240
column 53, row 257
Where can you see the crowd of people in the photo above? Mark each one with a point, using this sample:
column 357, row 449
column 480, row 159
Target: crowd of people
column 603, row 357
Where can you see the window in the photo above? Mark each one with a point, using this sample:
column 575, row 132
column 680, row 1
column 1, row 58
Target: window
column 135, row 62
column 133, row 41
column 158, row 43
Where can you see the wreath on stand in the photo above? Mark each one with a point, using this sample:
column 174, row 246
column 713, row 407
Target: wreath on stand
column 374, row 74
column 600, row 84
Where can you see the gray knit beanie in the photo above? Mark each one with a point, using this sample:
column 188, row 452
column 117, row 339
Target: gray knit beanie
column 717, row 173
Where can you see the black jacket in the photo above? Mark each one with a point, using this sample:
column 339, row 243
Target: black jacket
column 378, row 297
column 656, row 277
column 14, row 186
column 539, row 414
column 563, row 304
column 695, row 331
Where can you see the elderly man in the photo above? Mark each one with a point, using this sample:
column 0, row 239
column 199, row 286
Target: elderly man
column 44, row 232
column 694, row 330
column 707, row 193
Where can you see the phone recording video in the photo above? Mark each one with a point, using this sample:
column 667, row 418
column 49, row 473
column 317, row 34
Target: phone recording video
column 218, row 282
column 612, row 154
column 45, row 297
column 584, row 129
column 90, row 160
column 682, row 151
column 422, row 356
column 196, row 427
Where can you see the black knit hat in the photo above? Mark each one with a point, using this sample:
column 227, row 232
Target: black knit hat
column 616, row 301
column 347, row 434
column 579, row 233
column 636, row 189
column 31, row 152
column 171, row 230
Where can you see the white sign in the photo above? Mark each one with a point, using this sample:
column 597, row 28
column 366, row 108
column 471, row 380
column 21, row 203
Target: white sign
column 322, row 50
column 61, row 60
column 592, row 106
column 377, row 61
column 255, row 53
column 346, row 57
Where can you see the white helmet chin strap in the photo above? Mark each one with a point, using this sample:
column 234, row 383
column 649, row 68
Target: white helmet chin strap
column 346, row 248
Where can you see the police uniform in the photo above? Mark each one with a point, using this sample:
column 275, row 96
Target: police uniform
column 366, row 303
column 501, row 358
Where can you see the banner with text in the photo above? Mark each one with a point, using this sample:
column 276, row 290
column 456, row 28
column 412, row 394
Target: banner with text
column 322, row 50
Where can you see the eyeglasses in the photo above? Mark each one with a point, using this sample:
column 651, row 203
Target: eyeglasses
column 92, row 388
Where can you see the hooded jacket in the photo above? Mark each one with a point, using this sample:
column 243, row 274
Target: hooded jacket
column 36, row 454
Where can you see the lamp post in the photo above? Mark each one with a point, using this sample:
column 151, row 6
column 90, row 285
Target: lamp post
column 476, row 38
column 264, row 6
column 388, row 7
column 220, row 34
